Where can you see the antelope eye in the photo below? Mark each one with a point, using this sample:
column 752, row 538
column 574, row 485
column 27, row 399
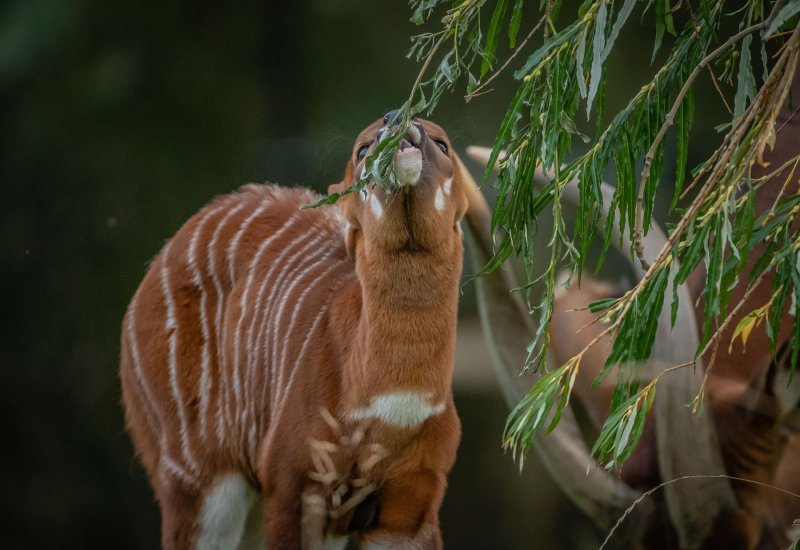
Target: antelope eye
column 441, row 145
column 362, row 152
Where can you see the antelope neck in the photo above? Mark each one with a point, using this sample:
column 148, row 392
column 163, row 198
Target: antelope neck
column 404, row 346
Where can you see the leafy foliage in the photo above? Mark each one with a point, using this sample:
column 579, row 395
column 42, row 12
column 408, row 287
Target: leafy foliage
column 563, row 78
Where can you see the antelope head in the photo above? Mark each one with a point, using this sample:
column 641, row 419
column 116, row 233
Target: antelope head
column 419, row 215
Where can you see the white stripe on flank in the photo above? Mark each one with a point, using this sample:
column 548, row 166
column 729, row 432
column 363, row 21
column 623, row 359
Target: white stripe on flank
column 301, row 356
column 309, row 336
column 231, row 408
column 318, row 277
column 245, row 301
column 399, row 409
column 282, row 265
column 448, row 185
column 236, row 238
column 166, row 466
column 152, row 407
column 221, row 366
column 239, row 387
column 438, row 201
column 171, row 327
column 205, row 365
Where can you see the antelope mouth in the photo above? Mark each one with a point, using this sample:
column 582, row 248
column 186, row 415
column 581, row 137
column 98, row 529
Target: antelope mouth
column 408, row 158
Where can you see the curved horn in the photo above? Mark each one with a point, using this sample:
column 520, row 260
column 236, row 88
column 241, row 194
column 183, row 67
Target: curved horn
column 508, row 328
column 692, row 507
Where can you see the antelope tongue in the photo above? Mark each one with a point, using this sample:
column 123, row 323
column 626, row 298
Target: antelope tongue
column 407, row 164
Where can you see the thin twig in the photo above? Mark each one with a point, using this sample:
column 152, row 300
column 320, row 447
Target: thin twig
column 716, row 87
column 638, row 232
column 671, row 481
column 495, row 74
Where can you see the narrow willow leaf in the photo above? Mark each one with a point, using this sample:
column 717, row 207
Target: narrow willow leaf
column 422, row 10
column 622, row 17
column 668, row 22
column 789, row 10
column 491, row 37
column 746, row 81
column 513, row 26
column 580, row 55
column 602, row 305
column 685, row 118
column 536, row 57
column 660, row 26
column 598, row 44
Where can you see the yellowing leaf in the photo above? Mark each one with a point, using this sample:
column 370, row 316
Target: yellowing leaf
column 746, row 325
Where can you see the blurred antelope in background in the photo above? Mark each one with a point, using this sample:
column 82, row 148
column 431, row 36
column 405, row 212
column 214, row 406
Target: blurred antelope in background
column 751, row 431
column 286, row 373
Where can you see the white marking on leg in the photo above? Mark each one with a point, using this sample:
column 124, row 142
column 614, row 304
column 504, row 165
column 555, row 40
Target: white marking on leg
column 399, row 409
column 171, row 327
column 375, row 205
column 438, row 200
column 222, row 367
column 225, row 510
column 205, row 366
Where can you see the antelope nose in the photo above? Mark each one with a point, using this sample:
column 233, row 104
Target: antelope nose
column 392, row 117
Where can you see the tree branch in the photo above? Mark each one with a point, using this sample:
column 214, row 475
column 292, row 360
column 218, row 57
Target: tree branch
column 669, row 120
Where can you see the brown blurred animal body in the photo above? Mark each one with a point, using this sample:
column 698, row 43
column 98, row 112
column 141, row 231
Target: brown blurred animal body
column 262, row 330
column 755, row 445
column 751, row 428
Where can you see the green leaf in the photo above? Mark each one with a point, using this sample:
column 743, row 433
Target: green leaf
column 622, row 17
column 513, row 26
column 788, row 11
column 598, row 45
column 491, row 37
column 747, row 83
column 556, row 40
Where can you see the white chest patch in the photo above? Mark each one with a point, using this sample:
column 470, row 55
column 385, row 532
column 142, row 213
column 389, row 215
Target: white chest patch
column 438, row 200
column 400, row 409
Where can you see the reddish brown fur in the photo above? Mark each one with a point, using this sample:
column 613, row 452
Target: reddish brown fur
column 374, row 313
column 747, row 418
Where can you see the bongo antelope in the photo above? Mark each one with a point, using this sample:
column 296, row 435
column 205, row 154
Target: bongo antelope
column 286, row 372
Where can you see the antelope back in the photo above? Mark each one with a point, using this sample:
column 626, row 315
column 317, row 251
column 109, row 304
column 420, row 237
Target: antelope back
column 230, row 311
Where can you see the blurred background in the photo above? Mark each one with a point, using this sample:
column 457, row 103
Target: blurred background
column 118, row 121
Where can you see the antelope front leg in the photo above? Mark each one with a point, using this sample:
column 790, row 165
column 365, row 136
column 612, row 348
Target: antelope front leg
column 408, row 517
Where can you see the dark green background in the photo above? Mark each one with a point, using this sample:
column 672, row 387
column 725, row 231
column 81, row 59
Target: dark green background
column 119, row 120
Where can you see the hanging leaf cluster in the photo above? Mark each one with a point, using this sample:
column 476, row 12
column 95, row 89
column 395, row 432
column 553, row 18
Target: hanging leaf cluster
column 563, row 79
